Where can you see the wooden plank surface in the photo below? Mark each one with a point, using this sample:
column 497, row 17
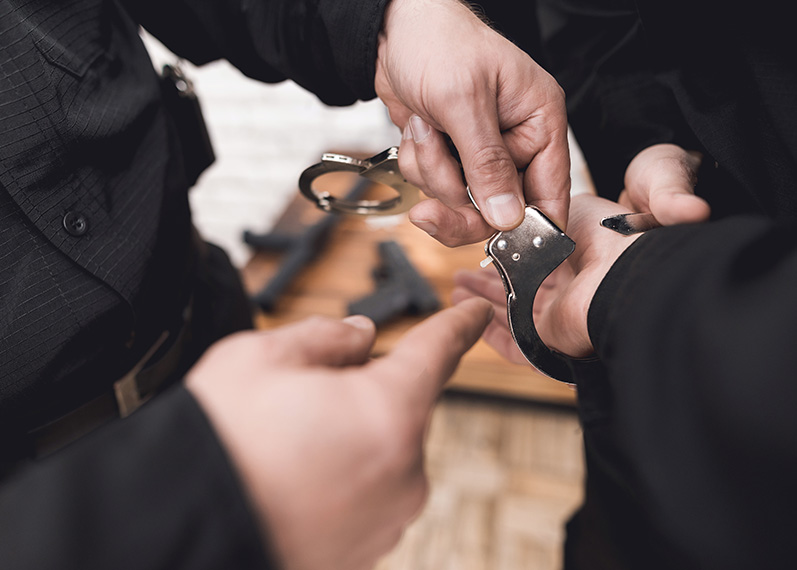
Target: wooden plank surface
column 505, row 476
column 342, row 272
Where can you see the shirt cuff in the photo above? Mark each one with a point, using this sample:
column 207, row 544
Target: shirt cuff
column 355, row 51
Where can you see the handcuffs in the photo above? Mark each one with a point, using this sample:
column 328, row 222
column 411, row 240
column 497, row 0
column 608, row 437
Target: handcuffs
column 382, row 168
column 523, row 256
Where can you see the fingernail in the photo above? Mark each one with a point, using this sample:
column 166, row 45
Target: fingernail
column 359, row 322
column 407, row 135
column 504, row 209
column 420, row 128
column 426, row 226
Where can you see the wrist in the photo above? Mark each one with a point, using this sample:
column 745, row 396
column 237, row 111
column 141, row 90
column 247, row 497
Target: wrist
column 597, row 251
column 608, row 290
column 408, row 20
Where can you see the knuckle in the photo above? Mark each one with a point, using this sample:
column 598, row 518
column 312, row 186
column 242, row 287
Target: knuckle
column 492, row 164
column 463, row 226
column 322, row 325
column 560, row 92
column 316, row 321
column 461, row 86
column 477, row 229
column 292, row 343
column 452, row 241
column 468, row 230
column 673, row 175
column 407, row 161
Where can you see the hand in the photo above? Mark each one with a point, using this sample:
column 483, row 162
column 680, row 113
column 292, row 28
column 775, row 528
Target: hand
column 661, row 180
column 327, row 442
column 486, row 283
column 442, row 70
column 562, row 303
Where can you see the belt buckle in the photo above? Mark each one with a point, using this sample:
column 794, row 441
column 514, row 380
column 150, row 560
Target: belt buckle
column 126, row 391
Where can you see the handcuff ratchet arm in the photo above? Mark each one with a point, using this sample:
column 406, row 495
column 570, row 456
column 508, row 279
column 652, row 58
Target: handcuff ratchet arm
column 524, row 257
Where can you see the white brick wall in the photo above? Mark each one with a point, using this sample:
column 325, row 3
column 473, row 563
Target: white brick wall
column 264, row 136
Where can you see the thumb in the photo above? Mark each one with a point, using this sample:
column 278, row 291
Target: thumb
column 490, row 171
column 426, row 357
column 324, row 341
column 677, row 204
column 661, row 180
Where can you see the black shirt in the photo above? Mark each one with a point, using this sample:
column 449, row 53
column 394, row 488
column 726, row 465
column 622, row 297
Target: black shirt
column 86, row 140
column 689, row 424
column 94, row 232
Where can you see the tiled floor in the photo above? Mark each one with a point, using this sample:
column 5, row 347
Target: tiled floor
column 505, row 477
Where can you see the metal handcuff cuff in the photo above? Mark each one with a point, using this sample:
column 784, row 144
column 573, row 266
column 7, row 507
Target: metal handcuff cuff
column 523, row 256
column 382, row 168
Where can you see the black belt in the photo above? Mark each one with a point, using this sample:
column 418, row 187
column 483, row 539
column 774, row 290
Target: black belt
column 148, row 377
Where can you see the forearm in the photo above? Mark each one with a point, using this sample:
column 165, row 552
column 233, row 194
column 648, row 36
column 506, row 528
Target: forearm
column 328, row 47
column 720, row 289
column 617, row 106
column 152, row 491
column 695, row 326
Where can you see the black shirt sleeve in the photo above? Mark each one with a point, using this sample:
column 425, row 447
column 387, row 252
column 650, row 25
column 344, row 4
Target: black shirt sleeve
column 326, row 46
column 154, row 490
column 617, row 106
column 690, row 427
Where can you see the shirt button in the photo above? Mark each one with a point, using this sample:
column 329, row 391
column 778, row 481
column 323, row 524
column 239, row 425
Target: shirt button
column 75, row 223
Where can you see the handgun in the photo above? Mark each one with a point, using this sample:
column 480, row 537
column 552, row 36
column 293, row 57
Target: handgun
column 400, row 288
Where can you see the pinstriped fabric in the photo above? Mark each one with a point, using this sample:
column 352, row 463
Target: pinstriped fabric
column 44, row 300
column 92, row 184
column 82, row 132
column 85, row 103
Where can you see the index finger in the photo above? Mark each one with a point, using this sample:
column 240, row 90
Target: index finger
column 426, row 357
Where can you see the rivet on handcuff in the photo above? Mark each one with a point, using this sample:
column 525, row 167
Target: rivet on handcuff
column 523, row 256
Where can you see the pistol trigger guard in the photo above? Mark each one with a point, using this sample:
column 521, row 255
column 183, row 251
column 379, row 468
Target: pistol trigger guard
column 524, row 257
column 381, row 168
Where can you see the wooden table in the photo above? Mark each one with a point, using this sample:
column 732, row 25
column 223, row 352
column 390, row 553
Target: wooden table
column 342, row 272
